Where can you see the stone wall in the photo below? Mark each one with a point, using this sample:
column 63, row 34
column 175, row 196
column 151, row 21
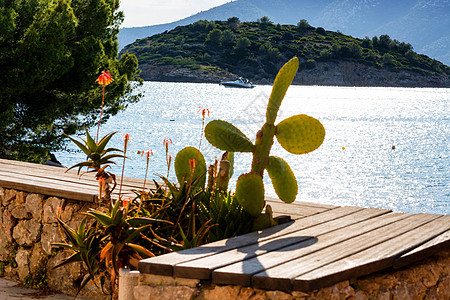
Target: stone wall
column 29, row 227
column 428, row 279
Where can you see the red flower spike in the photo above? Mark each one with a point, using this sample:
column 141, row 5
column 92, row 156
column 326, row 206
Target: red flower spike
column 204, row 111
column 192, row 163
column 125, row 202
column 147, row 152
column 104, row 78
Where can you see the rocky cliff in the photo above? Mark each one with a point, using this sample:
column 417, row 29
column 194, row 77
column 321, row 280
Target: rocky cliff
column 343, row 73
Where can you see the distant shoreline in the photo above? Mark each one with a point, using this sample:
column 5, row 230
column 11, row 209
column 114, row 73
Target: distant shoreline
column 342, row 73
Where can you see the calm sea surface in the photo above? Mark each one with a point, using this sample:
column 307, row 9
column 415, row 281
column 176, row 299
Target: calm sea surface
column 356, row 165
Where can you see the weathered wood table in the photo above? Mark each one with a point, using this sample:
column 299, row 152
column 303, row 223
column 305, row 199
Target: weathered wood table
column 323, row 245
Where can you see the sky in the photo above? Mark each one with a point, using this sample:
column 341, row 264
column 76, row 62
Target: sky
column 152, row 12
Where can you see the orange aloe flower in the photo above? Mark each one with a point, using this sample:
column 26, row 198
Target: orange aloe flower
column 125, row 202
column 204, row 111
column 104, row 78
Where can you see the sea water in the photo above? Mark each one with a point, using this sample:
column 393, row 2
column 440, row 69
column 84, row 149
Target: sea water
column 384, row 147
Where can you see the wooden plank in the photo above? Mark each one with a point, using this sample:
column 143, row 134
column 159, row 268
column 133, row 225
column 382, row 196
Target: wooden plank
column 435, row 245
column 56, row 172
column 163, row 265
column 371, row 260
column 69, row 185
column 46, row 188
column 20, row 174
column 59, row 175
column 241, row 271
column 281, row 276
column 301, row 203
column 289, row 209
column 202, row 268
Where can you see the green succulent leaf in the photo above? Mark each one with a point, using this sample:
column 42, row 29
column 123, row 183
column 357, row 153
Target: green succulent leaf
column 226, row 136
column 69, row 232
column 73, row 258
column 300, row 134
column 281, row 84
column 100, row 217
column 141, row 250
column 79, row 145
column 183, row 168
column 90, row 142
column 250, row 193
column 102, row 144
column 283, row 179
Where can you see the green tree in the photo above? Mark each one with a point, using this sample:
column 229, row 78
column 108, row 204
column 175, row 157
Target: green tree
column 214, row 37
column 303, row 25
column 367, row 43
column 233, row 22
column 242, row 45
column 385, row 41
column 227, row 38
column 51, row 52
column 264, row 20
column 387, row 59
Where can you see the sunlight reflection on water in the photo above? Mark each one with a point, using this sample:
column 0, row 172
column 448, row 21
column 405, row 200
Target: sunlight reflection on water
column 413, row 177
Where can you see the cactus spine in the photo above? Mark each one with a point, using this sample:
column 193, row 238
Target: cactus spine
column 298, row 134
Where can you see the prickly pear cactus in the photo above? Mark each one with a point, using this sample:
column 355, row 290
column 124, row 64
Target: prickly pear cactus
column 283, row 179
column 281, row 84
column 183, row 168
column 225, row 136
column 250, row 193
column 298, row 134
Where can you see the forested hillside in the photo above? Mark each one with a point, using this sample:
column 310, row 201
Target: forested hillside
column 256, row 50
column 423, row 23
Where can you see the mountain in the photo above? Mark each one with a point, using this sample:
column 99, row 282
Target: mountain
column 423, row 23
column 212, row 51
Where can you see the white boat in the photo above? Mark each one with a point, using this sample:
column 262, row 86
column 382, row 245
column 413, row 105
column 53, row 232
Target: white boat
column 240, row 83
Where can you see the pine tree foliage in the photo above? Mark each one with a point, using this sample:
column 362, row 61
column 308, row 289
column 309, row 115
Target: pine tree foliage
column 51, row 52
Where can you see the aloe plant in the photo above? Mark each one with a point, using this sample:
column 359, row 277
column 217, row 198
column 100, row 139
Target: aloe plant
column 298, row 135
column 98, row 159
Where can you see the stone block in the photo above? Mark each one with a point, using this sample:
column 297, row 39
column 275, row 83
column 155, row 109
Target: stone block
column 50, row 234
column 51, row 207
column 443, row 288
column 7, row 224
column 164, row 292
column 36, row 256
column 34, row 204
column 278, row 295
column 2, row 195
column 9, row 196
column 27, row 232
column 20, row 197
column 70, row 211
column 23, row 259
column 221, row 292
column 64, row 278
column 19, row 212
column 158, row 280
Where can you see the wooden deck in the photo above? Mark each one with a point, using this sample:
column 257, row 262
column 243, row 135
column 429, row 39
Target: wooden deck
column 324, row 244
column 55, row 181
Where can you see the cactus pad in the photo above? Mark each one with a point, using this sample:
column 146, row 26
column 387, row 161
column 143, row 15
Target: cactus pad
column 280, row 86
column 283, row 179
column 300, row 134
column 250, row 193
column 225, row 136
column 183, row 168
